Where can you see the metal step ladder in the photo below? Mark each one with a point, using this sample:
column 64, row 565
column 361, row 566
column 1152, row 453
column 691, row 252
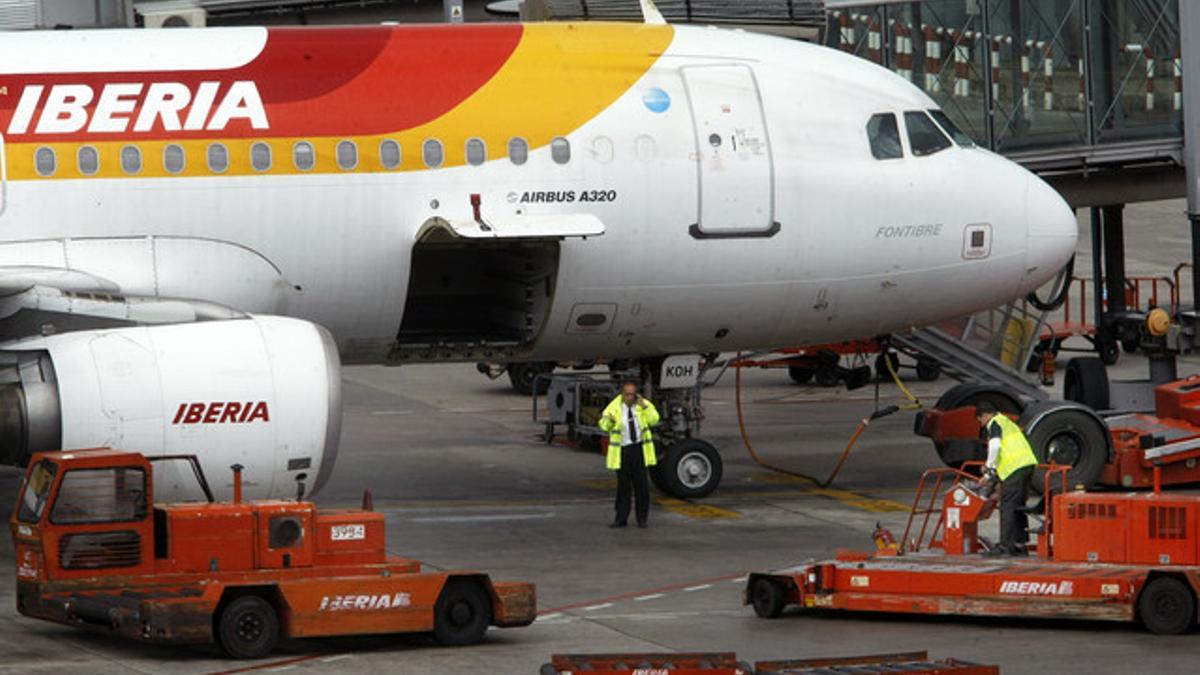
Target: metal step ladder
column 991, row 347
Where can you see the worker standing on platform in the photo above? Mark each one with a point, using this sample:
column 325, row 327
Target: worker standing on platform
column 628, row 419
column 1011, row 461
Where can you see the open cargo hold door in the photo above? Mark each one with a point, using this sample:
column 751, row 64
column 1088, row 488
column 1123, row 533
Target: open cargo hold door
column 481, row 289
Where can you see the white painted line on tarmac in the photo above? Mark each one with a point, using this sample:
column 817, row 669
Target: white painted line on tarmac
column 652, row 596
column 482, row 519
column 391, row 412
column 593, row 608
column 280, row 669
column 549, row 617
column 701, row 587
column 739, row 580
column 339, row 657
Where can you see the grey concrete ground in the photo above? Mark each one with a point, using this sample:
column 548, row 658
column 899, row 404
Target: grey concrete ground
column 454, row 462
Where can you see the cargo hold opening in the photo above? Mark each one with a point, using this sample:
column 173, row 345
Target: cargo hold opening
column 475, row 299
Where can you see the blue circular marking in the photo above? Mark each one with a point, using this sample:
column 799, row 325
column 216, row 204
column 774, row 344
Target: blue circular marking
column 656, row 100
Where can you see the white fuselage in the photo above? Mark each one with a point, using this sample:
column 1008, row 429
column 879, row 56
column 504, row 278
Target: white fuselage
column 863, row 246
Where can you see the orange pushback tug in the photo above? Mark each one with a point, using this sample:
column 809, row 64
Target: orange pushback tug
column 94, row 550
column 1116, row 556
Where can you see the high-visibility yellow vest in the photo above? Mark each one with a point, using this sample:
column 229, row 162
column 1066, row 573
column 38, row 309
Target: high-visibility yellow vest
column 647, row 416
column 1015, row 452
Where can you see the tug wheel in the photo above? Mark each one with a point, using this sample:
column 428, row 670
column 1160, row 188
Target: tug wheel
column 1166, row 606
column 462, row 613
column 1067, row 436
column 248, row 628
column 768, row 597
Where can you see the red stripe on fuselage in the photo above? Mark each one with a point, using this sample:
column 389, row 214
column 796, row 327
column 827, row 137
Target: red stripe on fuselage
column 312, row 82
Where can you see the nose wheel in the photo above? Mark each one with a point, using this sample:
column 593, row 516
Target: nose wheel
column 691, row 469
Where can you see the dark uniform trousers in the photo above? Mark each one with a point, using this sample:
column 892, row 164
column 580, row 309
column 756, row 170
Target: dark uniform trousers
column 632, row 476
column 1014, row 524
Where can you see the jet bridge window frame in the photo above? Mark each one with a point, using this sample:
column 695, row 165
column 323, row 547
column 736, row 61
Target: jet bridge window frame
column 879, row 137
column 917, row 144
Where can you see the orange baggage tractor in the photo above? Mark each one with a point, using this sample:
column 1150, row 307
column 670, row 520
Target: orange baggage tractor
column 95, row 550
column 1119, row 556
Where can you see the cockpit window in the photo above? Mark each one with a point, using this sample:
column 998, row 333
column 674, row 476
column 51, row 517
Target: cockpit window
column 951, row 128
column 37, row 490
column 884, row 134
column 924, row 137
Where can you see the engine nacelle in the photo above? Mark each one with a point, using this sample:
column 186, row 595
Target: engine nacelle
column 263, row 392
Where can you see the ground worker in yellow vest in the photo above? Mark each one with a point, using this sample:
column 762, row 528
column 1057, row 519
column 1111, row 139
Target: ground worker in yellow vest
column 1011, row 461
column 628, row 419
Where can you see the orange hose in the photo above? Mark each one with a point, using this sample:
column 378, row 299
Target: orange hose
column 737, row 394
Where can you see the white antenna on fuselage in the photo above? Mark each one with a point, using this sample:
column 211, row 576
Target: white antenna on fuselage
column 650, row 13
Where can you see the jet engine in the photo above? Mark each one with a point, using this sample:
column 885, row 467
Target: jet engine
column 263, row 392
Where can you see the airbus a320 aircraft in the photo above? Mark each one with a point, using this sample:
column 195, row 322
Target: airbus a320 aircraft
column 196, row 224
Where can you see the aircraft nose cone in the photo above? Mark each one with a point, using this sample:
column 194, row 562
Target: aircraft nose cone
column 1052, row 231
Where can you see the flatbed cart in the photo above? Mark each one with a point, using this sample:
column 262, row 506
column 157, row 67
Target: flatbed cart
column 1099, row 556
column 726, row 663
column 95, row 550
column 823, row 362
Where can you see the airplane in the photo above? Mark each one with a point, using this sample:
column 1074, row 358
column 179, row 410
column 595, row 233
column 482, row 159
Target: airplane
column 198, row 227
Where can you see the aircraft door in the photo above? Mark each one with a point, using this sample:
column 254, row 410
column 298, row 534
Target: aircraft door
column 732, row 151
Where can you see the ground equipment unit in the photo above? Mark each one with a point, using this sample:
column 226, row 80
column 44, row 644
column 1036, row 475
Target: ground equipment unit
column 95, row 550
column 1099, row 556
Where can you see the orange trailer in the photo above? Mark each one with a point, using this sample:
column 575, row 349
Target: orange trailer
column 94, row 550
column 1099, row 556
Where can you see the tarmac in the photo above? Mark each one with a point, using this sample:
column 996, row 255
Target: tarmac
column 456, row 464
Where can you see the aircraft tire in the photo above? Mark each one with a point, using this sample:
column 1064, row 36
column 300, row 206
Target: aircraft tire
column 692, row 469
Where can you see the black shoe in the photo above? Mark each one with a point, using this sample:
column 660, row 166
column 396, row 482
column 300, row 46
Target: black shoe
column 613, row 526
column 642, row 525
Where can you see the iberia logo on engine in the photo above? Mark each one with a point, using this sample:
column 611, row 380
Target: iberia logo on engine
column 222, row 412
column 1037, row 587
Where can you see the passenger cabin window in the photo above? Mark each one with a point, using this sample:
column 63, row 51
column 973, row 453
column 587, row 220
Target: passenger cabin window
column 100, row 496
column 173, row 159
column 476, row 152
column 389, row 154
column 131, row 159
column 884, row 135
column 88, row 160
column 951, row 128
column 560, row 150
column 303, row 156
column 924, row 137
column 218, row 158
column 518, row 151
column 432, row 153
column 44, row 161
column 260, row 156
column 347, row 155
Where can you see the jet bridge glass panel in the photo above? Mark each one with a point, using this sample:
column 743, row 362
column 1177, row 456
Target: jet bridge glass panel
column 733, row 152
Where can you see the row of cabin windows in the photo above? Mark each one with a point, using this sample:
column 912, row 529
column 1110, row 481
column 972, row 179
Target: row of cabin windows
column 304, row 156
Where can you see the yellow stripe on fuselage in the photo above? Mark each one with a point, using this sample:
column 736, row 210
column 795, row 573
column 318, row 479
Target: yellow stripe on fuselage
column 559, row 77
